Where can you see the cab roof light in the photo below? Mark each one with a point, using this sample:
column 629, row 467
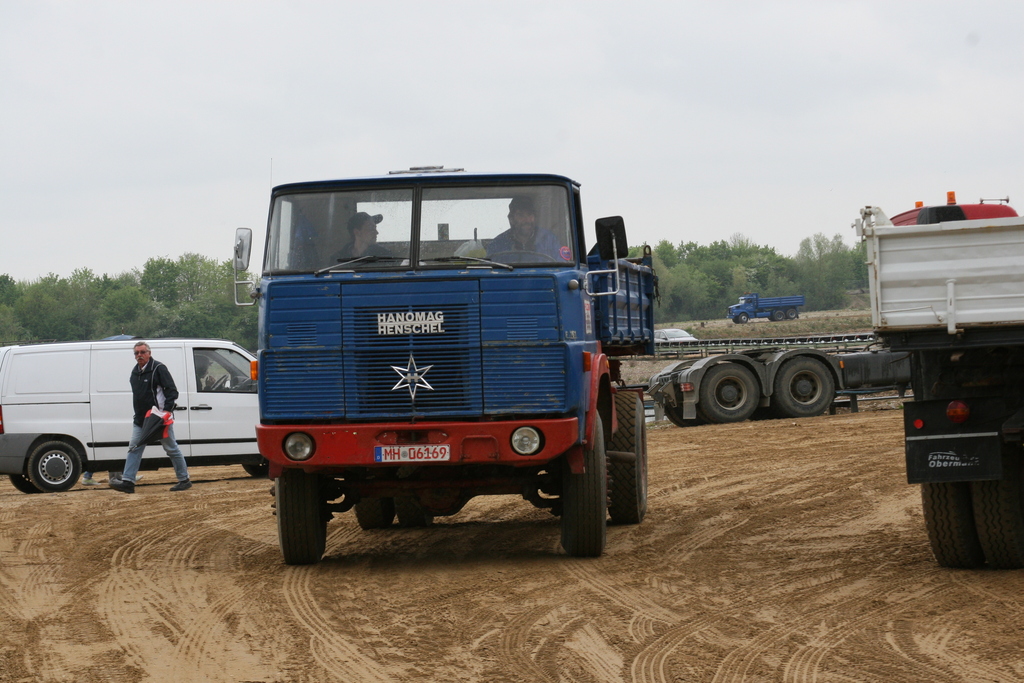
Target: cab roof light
column 918, row 205
column 951, row 197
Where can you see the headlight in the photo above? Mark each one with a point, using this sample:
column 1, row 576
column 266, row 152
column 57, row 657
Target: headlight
column 299, row 446
column 526, row 441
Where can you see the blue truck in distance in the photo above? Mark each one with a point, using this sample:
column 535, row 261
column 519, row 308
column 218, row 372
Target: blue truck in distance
column 774, row 308
column 432, row 335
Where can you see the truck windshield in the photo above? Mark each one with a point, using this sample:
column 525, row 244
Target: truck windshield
column 375, row 229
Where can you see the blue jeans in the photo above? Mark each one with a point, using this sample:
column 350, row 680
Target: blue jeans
column 131, row 466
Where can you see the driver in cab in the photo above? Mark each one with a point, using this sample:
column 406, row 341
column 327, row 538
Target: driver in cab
column 525, row 238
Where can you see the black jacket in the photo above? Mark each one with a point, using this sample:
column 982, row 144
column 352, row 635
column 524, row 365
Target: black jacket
column 144, row 382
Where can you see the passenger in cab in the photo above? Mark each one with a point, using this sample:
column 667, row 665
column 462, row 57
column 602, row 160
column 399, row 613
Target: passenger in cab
column 525, row 236
column 362, row 228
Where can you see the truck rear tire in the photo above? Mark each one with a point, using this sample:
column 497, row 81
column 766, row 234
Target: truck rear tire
column 999, row 513
column 301, row 518
column 792, row 314
column 778, row 316
column 949, row 518
column 23, row 483
column 728, row 393
column 54, row 466
column 411, row 513
column 375, row 513
column 628, row 480
column 585, row 501
column 804, row 387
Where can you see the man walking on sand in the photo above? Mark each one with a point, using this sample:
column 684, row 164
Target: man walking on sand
column 152, row 387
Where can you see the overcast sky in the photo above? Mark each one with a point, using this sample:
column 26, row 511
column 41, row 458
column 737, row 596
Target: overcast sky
column 139, row 129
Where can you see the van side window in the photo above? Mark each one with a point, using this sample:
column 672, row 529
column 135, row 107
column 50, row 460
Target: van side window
column 222, row 370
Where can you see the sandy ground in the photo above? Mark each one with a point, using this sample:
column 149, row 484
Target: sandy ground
column 789, row 550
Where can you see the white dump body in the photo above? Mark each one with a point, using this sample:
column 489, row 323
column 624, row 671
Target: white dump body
column 950, row 275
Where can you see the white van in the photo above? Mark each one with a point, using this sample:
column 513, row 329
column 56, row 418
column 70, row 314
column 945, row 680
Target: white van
column 66, row 408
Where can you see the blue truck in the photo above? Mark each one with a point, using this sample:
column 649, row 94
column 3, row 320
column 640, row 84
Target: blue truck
column 432, row 335
column 774, row 308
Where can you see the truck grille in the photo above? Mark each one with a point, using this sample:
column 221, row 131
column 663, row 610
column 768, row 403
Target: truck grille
column 501, row 365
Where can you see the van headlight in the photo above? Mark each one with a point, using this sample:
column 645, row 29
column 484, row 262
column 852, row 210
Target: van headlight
column 299, row 446
column 526, row 441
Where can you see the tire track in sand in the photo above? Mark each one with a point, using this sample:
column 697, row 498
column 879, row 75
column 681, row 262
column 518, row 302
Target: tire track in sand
column 336, row 654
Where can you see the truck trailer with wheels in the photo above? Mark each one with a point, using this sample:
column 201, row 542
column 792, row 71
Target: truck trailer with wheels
column 770, row 380
column 432, row 335
column 947, row 288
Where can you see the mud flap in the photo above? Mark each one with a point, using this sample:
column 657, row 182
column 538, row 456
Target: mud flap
column 938, row 450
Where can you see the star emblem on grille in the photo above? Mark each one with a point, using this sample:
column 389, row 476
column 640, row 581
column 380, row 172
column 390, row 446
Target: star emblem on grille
column 412, row 377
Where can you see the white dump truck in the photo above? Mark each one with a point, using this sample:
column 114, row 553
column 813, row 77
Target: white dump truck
column 947, row 286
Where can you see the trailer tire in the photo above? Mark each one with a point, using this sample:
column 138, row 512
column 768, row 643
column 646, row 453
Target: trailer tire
column 803, row 387
column 728, row 393
column 375, row 513
column 23, row 483
column 585, row 501
column 674, row 414
column 999, row 513
column 410, row 513
column 54, row 466
column 627, row 494
column 741, row 319
column 301, row 517
column 949, row 519
column 778, row 316
column 792, row 314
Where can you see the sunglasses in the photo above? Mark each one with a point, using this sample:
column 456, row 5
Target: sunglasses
column 141, row 353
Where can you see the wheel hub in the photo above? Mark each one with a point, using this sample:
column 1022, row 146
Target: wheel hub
column 54, row 468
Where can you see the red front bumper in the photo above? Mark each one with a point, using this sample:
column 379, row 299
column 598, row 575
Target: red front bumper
column 353, row 445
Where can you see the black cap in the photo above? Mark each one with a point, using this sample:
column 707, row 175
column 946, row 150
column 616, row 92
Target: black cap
column 521, row 202
column 362, row 217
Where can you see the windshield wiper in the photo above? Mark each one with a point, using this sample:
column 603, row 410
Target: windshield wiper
column 451, row 259
column 361, row 259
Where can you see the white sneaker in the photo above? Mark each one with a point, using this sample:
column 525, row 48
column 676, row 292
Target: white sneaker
column 89, row 481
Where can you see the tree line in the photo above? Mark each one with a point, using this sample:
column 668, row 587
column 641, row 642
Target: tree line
column 699, row 282
column 191, row 296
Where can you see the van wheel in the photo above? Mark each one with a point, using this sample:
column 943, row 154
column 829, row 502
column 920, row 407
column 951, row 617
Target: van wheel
column 257, row 471
column 23, row 483
column 54, row 466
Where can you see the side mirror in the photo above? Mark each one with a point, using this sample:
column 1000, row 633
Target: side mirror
column 611, row 238
column 243, row 248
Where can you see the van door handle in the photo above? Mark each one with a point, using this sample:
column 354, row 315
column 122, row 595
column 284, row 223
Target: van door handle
column 202, row 407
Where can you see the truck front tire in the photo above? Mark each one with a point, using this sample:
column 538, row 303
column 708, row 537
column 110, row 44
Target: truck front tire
column 804, row 387
column 628, row 493
column 741, row 318
column 728, row 393
column 949, row 518
column 585, row 501
column 301, row 518
column 54, row 466
column 411, row 513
